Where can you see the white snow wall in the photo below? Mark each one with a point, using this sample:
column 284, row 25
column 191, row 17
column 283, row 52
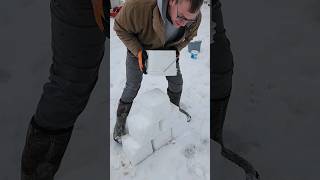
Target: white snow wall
column 152, row 123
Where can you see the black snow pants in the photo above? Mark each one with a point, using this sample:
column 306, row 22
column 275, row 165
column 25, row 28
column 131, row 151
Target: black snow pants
column 78, row 48
column 221, row 72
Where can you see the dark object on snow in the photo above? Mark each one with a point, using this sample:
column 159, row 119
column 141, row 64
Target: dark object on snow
column 120, row 127
column 194, row 45
column 43, row 152
column 222, row 66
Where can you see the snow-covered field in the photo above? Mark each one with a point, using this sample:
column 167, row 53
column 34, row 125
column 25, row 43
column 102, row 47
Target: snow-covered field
column 188, row 157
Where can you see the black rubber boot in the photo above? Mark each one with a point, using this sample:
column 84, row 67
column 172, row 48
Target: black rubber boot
column 122, row 114
column 174, row 97
column 219, row 110
column 43, row 152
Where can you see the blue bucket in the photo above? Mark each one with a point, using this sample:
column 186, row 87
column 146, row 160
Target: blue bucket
column 194, row 54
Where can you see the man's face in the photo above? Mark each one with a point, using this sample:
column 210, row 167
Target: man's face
column 179, row 13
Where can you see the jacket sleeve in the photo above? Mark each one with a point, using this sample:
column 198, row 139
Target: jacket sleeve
column 127, row 25
column 192, row 32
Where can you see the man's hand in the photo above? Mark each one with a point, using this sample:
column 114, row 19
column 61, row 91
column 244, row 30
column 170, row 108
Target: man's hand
column 142, row 60
column 98, row 13
column 177, row 54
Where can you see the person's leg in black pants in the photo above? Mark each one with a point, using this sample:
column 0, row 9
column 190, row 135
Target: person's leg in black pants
column 221, row 72
column 78, row 48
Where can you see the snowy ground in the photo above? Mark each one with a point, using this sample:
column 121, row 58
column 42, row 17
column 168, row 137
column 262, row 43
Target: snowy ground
column 189, row 157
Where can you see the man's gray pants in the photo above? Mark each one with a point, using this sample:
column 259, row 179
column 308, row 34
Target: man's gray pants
column 134, row 79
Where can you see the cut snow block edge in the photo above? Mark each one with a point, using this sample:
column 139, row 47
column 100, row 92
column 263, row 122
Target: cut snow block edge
column 143, row 113
column 154, row 93
column 162, row 139
column 180, row 128
column 174, row 118
column 193, row 137
column 141, row 128
column 136, row 152
column 155, row 100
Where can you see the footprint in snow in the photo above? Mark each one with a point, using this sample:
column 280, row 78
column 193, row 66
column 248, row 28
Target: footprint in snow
column 189, row 151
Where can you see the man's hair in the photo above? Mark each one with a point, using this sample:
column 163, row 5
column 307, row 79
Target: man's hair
column 195, row 4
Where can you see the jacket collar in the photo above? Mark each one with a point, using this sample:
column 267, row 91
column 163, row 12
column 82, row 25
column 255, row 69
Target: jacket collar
column 158, row 24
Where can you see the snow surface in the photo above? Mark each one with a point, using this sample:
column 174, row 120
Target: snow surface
column 188, row 156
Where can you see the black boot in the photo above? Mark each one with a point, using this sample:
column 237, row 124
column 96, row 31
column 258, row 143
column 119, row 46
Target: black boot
column 122, row 114
column 218, row 110
column 174, row 97
column 43, row 152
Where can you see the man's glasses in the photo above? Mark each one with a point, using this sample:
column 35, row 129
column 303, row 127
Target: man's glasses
column 183, row 19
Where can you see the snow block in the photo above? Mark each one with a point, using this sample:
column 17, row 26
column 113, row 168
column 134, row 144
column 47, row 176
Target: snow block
column 179, row 125
column 173, row 116
column 135, row 151
column 162, row 139
column 142, row 127
column 165, row 124
column 152, row 123
column 180, row 128
column 155, row 101
column 162, row 62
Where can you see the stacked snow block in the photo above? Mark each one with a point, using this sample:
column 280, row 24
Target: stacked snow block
column 152, row 123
